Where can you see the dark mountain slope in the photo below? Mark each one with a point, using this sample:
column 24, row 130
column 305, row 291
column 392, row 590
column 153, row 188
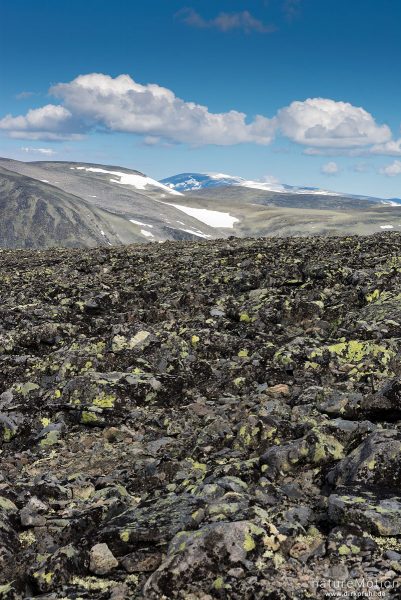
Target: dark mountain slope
column 37, row 215
column 122, row 192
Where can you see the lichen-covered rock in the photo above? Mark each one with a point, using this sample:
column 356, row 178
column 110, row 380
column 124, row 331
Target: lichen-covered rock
column 376, row 461
column 53, row 569
column 315, row 448
column 200, row 420
column 341, row 404
column 9, row 542
column 153, row 521
column 193, row 557
column 373, row 514
column 385, row 404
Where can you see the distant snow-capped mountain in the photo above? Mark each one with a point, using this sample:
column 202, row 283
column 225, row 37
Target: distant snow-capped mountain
column 190, row 182
column 194, row 182
column 185, row 182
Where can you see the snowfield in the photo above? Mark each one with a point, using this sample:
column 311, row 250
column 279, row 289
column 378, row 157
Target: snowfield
column 140, row 223
column 213, row 218
column 140, row 182
column 147, row 233
column 198, row 233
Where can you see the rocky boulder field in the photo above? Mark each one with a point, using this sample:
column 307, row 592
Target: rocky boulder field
column 202, row 421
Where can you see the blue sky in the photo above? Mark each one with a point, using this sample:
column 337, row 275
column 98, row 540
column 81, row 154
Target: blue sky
column 303, row 91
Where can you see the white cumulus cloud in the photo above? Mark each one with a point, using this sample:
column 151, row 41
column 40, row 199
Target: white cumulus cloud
column 121, row 104
column 329, row 124
column 99, row 102
column 48, row 117
column 391, row 148
column 330, row 168
column 392, row 169
column 50, row 122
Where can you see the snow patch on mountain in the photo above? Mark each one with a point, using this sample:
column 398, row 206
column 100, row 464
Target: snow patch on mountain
column 140, row 223
column 140, row 182
column 213, row 218
column 197, row 233
column 147, row 233
column 392, row 202
column 260, row 185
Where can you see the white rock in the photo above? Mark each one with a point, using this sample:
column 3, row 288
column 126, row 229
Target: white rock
column 102, row 560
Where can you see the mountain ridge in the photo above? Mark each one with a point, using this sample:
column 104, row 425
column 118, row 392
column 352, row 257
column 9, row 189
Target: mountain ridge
column 39, row 215
column 138, row 208
column 193, row 181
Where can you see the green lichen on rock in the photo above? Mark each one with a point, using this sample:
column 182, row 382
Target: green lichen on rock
column 7, row 505
column 362, row 358
column 356, row 351
column 104, row 401
column 5, row 590
column 249, row 543
column 222, row 416
column 89, row 418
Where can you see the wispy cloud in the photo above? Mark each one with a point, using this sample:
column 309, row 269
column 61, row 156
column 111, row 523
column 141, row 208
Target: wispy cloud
column 270, row 179
column 24, row 95
column 362, row 167
column 43, row 151
column 243, row 21
column 292, row 8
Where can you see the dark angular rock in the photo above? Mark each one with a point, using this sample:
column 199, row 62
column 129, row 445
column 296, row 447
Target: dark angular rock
column 223, row 415
column 379, row 516
column 374, row 462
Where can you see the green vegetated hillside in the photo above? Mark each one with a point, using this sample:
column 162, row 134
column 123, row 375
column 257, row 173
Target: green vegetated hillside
column 200, row 420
